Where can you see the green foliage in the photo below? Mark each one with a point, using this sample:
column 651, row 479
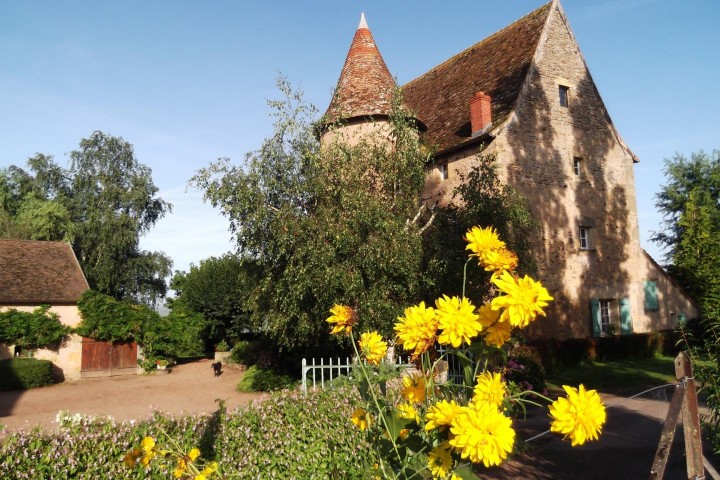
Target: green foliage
column 107, row 319
column 302, row 437
column 23, row 373
column 336, row 217
column 40, row 328
column 481, row 199
column 247, row 352
column 217, row 289
column 102, row 205
column 259, row 379
column 178, row 335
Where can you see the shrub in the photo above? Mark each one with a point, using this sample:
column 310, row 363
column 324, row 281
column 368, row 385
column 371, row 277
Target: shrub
column 30, row 330
column 23, row 373
column 302, row 437
column 257, row 379
column 178, row 335
column 107, row 319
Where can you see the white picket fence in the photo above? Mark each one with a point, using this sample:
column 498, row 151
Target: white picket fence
column 317, row 372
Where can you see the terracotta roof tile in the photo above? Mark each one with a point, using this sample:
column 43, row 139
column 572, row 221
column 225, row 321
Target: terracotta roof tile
column 496, row 66
column 365, row 87
column 34, row 272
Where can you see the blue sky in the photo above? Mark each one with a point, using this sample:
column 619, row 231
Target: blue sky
column 187, row 82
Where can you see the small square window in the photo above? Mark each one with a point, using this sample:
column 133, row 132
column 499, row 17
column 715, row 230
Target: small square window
column 577, row 162
column 443, row 170
column 584, row 238
column 563, row 90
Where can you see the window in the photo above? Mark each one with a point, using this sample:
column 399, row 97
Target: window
column 605, row 319
column 651, row 297
column 577, row 161
column 563, row 90
column 443, row 169
column 584, row 238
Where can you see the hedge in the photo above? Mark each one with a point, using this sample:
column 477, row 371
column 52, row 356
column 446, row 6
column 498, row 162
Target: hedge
column 24, row 373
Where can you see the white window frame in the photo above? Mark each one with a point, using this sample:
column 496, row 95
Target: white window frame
column 577, row 164
column 605, row 316
column 443, row 171
column 584, row 238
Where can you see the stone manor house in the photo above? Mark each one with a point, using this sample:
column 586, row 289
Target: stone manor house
column 526, row 94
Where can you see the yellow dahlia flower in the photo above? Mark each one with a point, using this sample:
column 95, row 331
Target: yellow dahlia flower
column 413, row 389
column 361, row 418
column 457, row 320
column 579, row 416
column 342, row 319
column 417, row 329
column 372, row 347
column 499, row 259
column 482, row 434
column 490, row 389
column 497, row 334
column 523, row 301
column 482, row 240
column 441, row 414
column 407, row 410
column 440, row 462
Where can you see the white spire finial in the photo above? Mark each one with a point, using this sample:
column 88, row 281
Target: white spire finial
column 363, row 23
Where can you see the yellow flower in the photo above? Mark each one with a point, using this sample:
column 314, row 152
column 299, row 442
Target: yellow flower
column 580, row 416
column 482, row 240
column 490, row 389
column 457, row 320
column 404, row 434
column 200, row 476
column 482, row 434
column 193, row 454
column 147, row 458
column 343, row 318
column 180, row 469
column 417, row 329
column 523, row 301
column 361, row 419
column 499, row 259
column 496, row 335
column 487, row 315
column 132, row 457
column 407, row 410
column 210, row 468
column 147, row 444
column 439, row 462
column 414, row 388
column 441, row 414
column 372, row 347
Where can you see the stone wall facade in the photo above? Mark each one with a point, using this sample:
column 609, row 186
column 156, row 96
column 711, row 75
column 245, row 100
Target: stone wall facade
column 566, row 158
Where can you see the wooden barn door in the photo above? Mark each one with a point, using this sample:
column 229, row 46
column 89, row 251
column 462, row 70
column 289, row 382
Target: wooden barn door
column 106, row 358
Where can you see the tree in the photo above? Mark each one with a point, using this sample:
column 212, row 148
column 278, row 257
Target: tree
column 218, row 289
column 480, row 199
column 690, row 204
column 324, row 225
column 103, row 204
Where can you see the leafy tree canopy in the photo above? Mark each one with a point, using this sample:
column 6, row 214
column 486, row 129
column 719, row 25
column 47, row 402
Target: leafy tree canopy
column 103, row 204
column 324, row 225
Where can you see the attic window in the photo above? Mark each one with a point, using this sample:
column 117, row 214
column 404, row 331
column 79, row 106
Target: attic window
column 563, row 91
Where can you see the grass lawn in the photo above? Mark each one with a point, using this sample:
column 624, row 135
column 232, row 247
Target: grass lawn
column 619, row 377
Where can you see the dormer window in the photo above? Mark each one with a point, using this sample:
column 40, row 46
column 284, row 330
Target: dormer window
column 564, row 92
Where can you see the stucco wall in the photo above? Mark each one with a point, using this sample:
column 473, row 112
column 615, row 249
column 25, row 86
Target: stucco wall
column 536, row 152
column 67, row 359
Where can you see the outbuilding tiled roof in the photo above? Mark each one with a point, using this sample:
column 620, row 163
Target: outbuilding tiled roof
column 35, row 272
column 496, row 66
column 365, row 87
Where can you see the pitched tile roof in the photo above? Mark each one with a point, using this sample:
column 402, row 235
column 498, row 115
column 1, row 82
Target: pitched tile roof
column 34, row 272
column 496, row 66
column 365, row 87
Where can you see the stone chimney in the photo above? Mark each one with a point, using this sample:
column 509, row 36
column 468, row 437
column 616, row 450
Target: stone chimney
column 480, row 114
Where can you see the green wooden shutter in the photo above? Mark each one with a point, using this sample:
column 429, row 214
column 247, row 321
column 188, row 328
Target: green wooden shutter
column 651, row 298
column 626, row 326
column 595, row 317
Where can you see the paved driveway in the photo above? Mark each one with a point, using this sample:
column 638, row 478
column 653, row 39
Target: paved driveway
column 189, row 388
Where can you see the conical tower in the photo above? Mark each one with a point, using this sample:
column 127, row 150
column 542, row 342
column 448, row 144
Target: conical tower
column 363, row 97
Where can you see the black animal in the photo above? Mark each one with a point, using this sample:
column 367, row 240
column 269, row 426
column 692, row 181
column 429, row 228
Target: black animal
column 217, row 368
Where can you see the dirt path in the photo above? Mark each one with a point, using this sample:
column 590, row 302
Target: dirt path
column 189, row 388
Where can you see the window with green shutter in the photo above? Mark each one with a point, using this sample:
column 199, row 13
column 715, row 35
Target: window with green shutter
column 651, row 297
column 595, row 317
column 626, row 326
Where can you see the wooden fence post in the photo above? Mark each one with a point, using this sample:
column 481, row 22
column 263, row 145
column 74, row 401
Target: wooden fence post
column 690, row 417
